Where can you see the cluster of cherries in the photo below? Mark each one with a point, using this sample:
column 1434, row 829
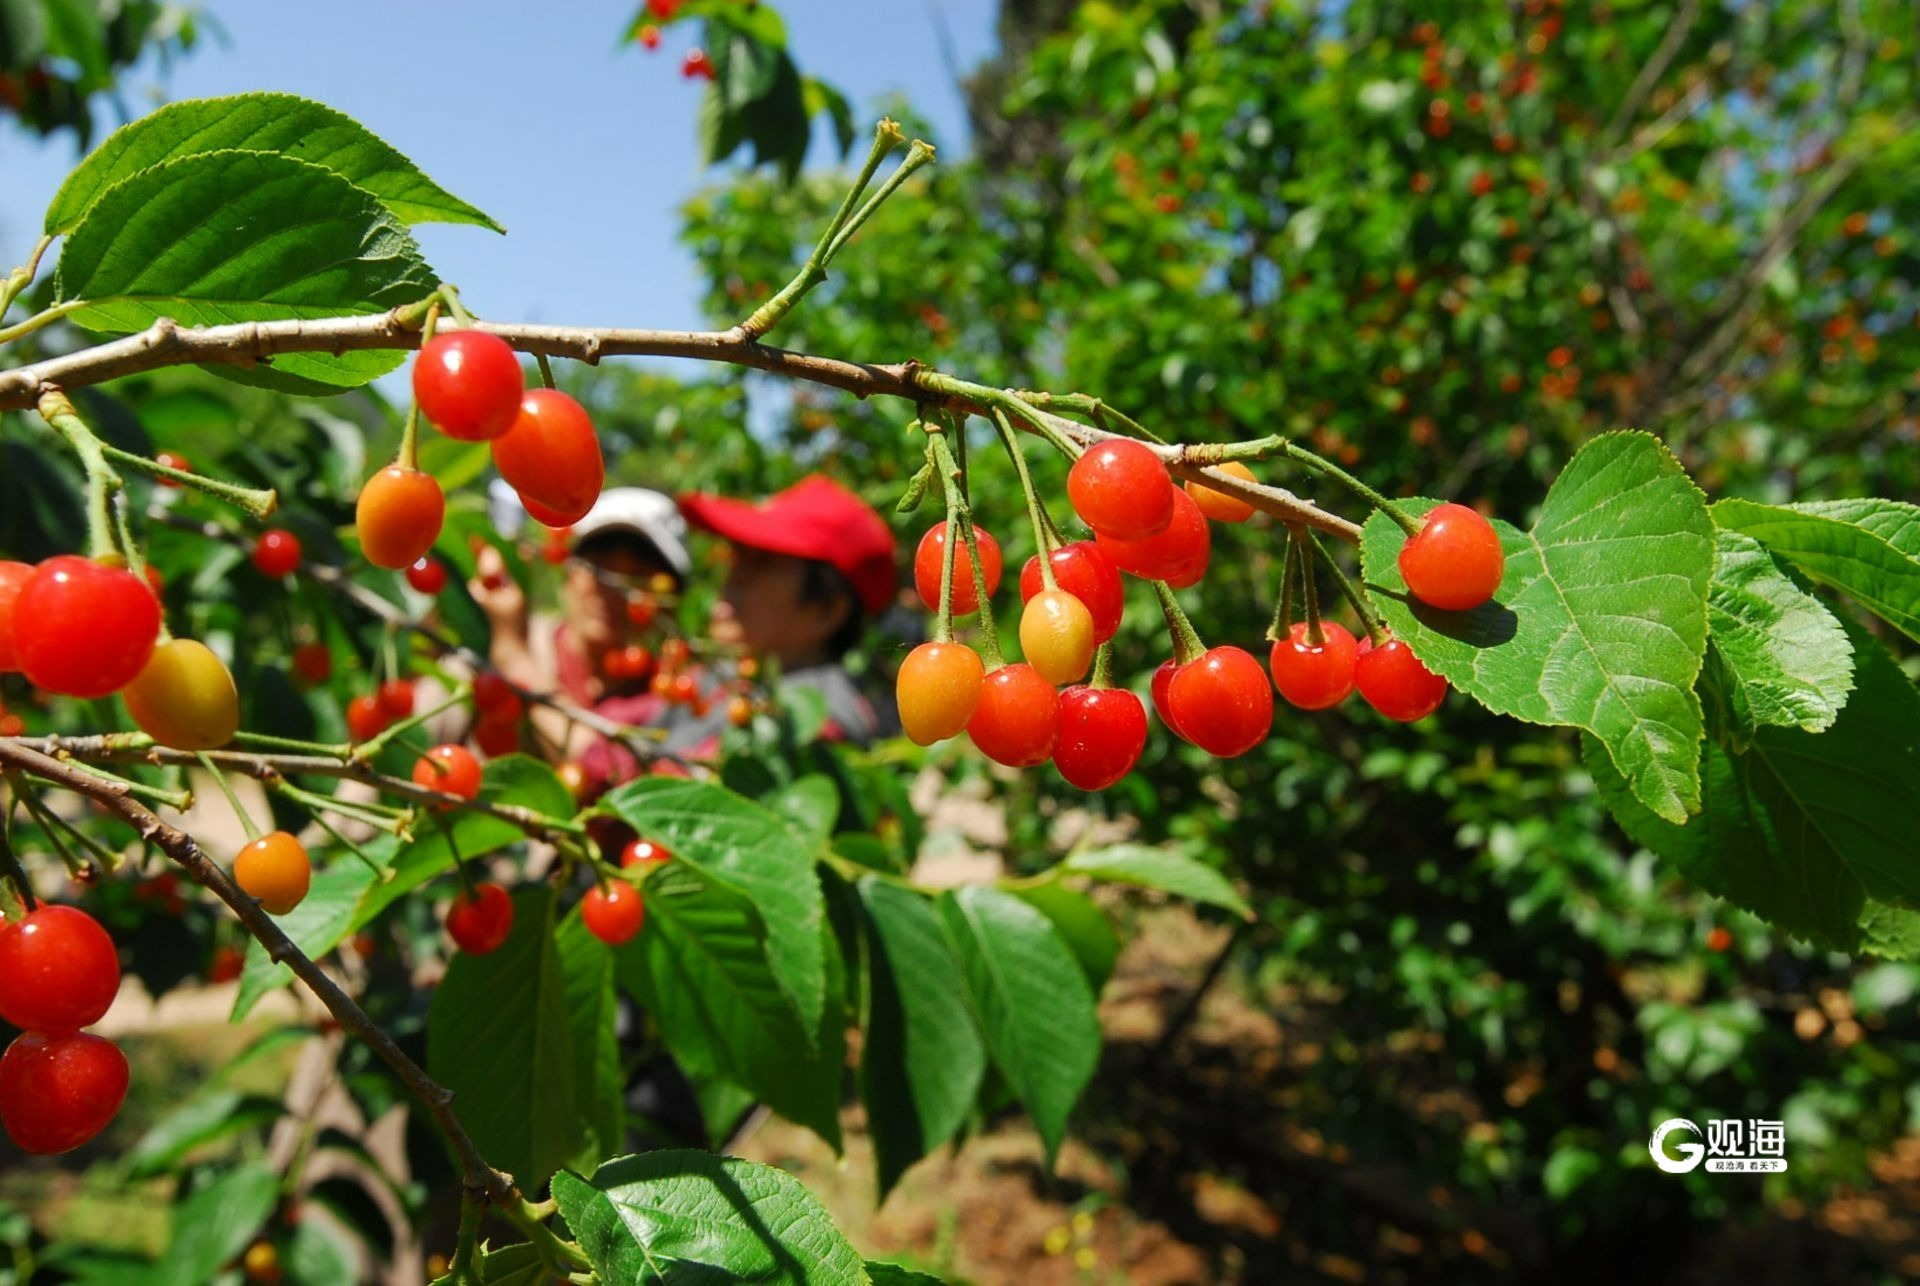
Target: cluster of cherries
column 481, row 917
column 59, row 1085
column 1219, row 700
column 696, row 65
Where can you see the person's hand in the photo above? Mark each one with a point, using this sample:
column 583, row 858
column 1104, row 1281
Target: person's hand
column 499, row 595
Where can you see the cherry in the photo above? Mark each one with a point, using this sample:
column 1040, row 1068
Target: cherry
column 932, row 553
column 663, row 9
column 496, row 738
column 227, row 964
column 479, row 921
column 557, row 522
column 1314, row 676
column 1102, row 732
column 552, row 456
column 1121, row 490
column 650, row 36
column 613, row 912
column 574, row 778
column 1454, row 562
column 1392, row 680
column 57, row 1092
column 82, row 628
column 184, row 697
column 58, row 970
column 696, row 64
column 313, row 662
column 495, row 698
column 1178, row 555
column 396, row 698
column 1222, row 702
column 261, row 1263
column 366, row 718
column 1087, row 574
column 277, row 553
column 1218, row 505
column 674, row 653
column 448, row 768
column 275, row 870
column 1159, row 687
column 468, row 383
column 1013, row 723
column 645, row 852
column 13, row 578
column 175, row 461
column 686, row 688
column 1056, row 634
column 631, row 664
column 937, row 689
column 640, row 610
column 398, row 516
column 427, row 575
column 739, row 711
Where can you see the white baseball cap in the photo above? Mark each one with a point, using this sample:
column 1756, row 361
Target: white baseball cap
column 650, row 514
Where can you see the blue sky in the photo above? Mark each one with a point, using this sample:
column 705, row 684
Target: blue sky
column 581, row 147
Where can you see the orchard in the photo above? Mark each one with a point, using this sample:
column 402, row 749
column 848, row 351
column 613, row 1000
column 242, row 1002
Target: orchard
column 1404, row 524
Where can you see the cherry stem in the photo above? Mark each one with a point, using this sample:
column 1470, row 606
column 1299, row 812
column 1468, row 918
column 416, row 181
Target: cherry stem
column 1103, row 665
column 39, row 320
column 1094, row 409
column 953, row 480
column 453, row 847
column 10, row 867
column 460, row 1269
column 1309, row 582
column 53, row 826
column 263, row 740
column 1036, row 511
column 1186, row 641
column 102, row 481
column 1015, row 404
column 220, row 779
column 22, row 277
column 450, row 295
column 1320, row 464
column 392, row 824
column 1354, row 594
column 546, row 370
column 180, row 799
column 383, row 874
column 409, row 453
column 256, row 501
column 1282, row 624
column 943, row 617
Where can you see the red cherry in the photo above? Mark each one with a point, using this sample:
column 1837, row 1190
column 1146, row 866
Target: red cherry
column 650, row 36
column 640, row 610
column 932, row 552
column 450, row 769
column 277, row 553
column 1121, row 490
column 1102, row 732
column 1314, row 677
column 1162, row 683
column 1454, row 562
column 645, row 851
column 481, row 921
column 468, row 383
column 1087, row 574
column 228, row 963
column 613, row 913
column 663, row 9
column 13, row 578
column 396, row 698
column 366, row 718
column 427, row 575
column 686, row 688
column 56, row 1092
column 1178, row 555
column 398, row 516
column 557, row 522
column 696, row 64
column 1392, row 680
column 1013, row 723
column 84, row 629
column 496, row 738
column 58, row 970
column 1718, row 938
column 1222, row 702
column 495, row 698
column 552, row 456
column 312, row 662
column 276, row 870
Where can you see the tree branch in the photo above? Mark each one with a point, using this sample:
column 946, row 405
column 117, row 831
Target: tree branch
column 1650, row 74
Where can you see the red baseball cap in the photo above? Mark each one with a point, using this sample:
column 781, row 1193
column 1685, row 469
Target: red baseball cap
column 814, row 518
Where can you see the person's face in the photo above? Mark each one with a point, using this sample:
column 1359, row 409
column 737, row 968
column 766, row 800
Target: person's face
column 762, row 608
column 594, row 594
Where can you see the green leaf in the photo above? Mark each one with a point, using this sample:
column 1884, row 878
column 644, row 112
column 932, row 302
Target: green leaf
column 1869, row 549
column 701, row 969
column 206, row 1117
column 278, row 123
column 691, row 1217
column 1084, row 927
column 205, row 240
column 1601, row 621
column 743, row 68
column 318, row 925
column 1569, row 1167
column 894, row 1275
column 217, row 1222
column 516, row 1265
column 922, row 1057
column 317, row 1256
column 1784, row 660
column 1030, row 998
column 1811, row 831
column 1158, row 868
column 754, row 851
column 586, row 979
column 498, row 1036
column 809, row 804
column 822, row 97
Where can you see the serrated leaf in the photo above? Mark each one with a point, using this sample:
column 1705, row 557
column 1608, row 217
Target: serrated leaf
column 1784, row 660
column 516, row 1265
column 1601, row 621
column 279, row 123
column 894, row 1275
column 752, row 850
column 1030, row 999
column 1158, row 868
column 498, row 1037
column 686, row 1217
column 922, row 1057
column 1084, row 927
column 1869, row 549
column 1811, row 831
column 586, row 979
column 206, row 240
column 701, row 969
